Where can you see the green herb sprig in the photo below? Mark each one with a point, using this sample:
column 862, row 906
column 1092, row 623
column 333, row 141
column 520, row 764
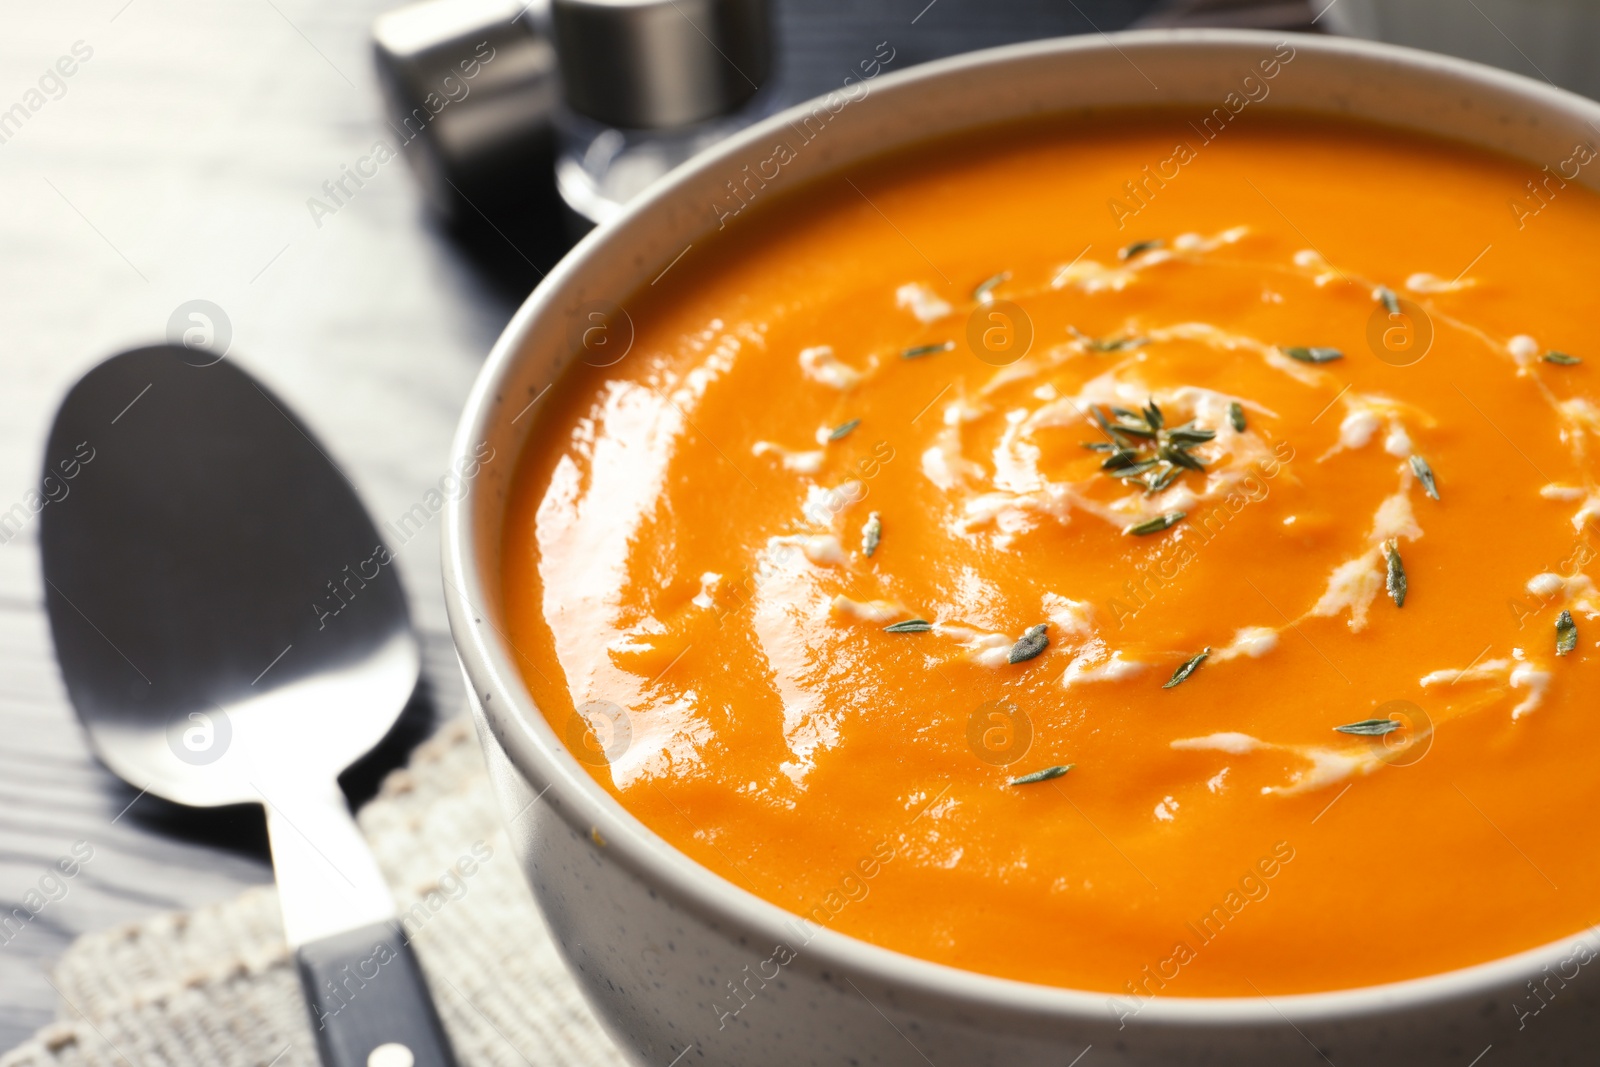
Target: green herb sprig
column 1236, row 417
column 1313, row 354
column 1044, row 775
column 910, row 626
column 1155, row 525
column 1370, row 727
column 1107, row 344
column 1394, row 579
column 1566, row 634
column 1032, row 642
column 1424, row 473
column 871, row 534
column 1187, row 669
column 841, row 431
column 1562, row 358
column 1138, row 247
column 927, row 350
column 985, row 290
column 1386, row 297
column 1145, row 450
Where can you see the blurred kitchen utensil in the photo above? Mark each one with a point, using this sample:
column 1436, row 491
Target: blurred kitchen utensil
column 231, row 630
column 646, row 85
column 660, row 64
column 470, row 87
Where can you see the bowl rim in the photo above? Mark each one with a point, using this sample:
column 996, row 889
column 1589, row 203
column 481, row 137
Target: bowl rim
column 542, row 759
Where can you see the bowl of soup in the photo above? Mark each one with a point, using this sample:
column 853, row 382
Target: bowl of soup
column 1079, row 551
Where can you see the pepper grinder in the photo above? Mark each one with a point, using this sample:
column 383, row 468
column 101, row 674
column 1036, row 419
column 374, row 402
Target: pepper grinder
column 647, row 84
column 470, row 87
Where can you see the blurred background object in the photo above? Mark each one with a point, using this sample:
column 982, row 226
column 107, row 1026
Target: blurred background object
column 1552, row 40
column 470, row 86
column 1237, row 14
column 647, row 84
column 660, row 64
column 615, row 93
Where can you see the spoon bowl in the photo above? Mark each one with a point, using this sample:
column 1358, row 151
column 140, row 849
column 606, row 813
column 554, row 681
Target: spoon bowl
column 211, row 576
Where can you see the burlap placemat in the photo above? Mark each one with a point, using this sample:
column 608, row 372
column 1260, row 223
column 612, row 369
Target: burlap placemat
column 217, row 987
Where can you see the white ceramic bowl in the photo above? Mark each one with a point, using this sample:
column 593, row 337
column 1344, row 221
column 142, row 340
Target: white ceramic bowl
column 658, row 942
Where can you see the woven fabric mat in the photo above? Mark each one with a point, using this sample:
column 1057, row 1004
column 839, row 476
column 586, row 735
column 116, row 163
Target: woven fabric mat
column 217, row 987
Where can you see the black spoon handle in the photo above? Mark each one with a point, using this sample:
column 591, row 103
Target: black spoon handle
column 369, row 1004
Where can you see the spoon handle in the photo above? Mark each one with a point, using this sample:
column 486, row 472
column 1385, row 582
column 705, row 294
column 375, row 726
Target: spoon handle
column 369, row 1004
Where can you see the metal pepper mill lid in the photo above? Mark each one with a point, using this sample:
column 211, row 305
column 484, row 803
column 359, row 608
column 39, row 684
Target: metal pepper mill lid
column 660, row 64
column 470, row 87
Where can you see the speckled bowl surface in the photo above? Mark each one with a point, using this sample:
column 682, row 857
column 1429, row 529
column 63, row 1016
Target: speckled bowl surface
column 686, row 968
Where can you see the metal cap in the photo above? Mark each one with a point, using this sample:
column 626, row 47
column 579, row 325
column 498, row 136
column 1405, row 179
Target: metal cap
column 654, row 64
column 471, row 89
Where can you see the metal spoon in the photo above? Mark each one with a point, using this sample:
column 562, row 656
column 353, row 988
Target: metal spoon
column 231, row 630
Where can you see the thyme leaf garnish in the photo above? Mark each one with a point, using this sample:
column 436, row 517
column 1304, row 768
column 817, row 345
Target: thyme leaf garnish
column 1394, row 580
column 1134, row 432
column 927, row 350
column 1099, row 446
column 910, row 626
column 1155, row 525
column 1179, row 458
column 1370, row 727
column 1162, row 480
column 1188, row 668
column 1390, row 302
column 841, row 431
column 1032, row 642
column 1106, row 344
column 1562, row 358
column 1106, row 426
column 1313, row 355
column 1236, row 417
column 1424, row 473
column 987, row 286
column 871, row 534
column 1119, row 459
column 1137, row 469
column 1566, row 634
column 1138, row 247
column 1044, row 775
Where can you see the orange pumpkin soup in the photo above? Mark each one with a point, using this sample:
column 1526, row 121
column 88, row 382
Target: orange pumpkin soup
column 1085, row 560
